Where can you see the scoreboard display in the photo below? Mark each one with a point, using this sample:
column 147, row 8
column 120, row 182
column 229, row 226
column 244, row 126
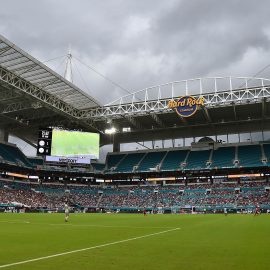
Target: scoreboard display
column 44, row 142
column 65, row 143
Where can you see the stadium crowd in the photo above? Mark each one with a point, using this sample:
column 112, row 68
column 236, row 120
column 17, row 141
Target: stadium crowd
column 54, row 196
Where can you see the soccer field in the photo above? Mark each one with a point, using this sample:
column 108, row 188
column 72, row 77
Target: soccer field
column 129, row 241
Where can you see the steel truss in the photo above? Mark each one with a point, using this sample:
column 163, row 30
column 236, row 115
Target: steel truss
column 17, row 61
column 24, row 86
column 18, row 106
column 159, row 106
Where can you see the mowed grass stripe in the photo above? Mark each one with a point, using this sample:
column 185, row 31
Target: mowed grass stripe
column 235, row 242
column 86, row 249
column 84, row 225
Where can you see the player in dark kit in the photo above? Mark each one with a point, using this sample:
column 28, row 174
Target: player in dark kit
column 144, row 212
column 257, row 210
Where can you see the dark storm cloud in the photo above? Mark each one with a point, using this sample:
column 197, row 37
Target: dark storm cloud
column 212, row 34
column 143, row 43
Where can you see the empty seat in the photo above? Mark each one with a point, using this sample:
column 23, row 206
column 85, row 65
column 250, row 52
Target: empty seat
column 113, row 160
column 223, row 157
column 151, row 160
column 250, row 156
column 173, row 160
column 131, row 160
column 197, row 159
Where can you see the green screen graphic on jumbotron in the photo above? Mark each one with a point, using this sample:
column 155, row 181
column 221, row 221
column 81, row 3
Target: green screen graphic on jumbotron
column 75, row 143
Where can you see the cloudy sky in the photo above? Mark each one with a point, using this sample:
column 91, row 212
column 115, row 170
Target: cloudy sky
column 139, row 43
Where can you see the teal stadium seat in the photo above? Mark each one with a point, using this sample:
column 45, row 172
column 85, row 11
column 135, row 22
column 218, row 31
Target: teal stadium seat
column 98, row 167
column 36, row 161
column 197, row 160
column 173, row 160
column 266, row 148
column 113, row 160
column 14, row 155
column 151, row 160
column 223, row 157
column 131, row 160
column 250, row 156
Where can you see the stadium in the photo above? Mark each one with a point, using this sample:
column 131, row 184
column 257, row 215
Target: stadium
column 183, row 198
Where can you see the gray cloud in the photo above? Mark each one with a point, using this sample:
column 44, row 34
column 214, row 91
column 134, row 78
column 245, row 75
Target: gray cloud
column 142, row 43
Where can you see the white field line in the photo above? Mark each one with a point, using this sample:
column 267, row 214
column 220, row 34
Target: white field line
column 15, row 221
column 110, row 226
column 85, row 249
column 83, row 225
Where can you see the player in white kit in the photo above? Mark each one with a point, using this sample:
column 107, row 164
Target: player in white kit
column 66, row 207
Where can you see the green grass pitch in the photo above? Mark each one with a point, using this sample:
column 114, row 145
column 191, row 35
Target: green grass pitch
column 202, row 242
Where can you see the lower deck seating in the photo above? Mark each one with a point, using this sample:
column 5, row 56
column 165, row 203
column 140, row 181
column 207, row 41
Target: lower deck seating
column 233, row 195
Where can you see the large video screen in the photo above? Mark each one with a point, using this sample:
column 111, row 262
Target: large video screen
column 74, row 143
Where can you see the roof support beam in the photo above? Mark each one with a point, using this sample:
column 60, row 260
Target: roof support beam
column 19, row 106
column 133, row 122
column 143, row 145
column 5, row 50
column 8, row 95
column 184, row 121
column 46, row 98
column 234, row 112
column 206, row 114
column 263, row 108
column 37, row 93
column 157, row 119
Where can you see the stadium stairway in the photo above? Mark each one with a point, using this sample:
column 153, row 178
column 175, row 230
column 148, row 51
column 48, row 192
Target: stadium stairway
column 266, row 148
column 99, row 199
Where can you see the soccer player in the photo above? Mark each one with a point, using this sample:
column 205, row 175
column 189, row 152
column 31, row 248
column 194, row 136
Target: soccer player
column 66, row 207
column 144, row 212
column 257, row 210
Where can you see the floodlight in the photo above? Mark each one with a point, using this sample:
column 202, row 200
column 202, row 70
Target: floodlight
column 111, row 130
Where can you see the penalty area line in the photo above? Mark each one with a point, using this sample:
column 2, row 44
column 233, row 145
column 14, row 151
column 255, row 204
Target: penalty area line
column 88, row 248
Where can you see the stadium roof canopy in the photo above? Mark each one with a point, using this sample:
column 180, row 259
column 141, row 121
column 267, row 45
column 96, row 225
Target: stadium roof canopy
column 32, row 95
column 27, row 67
